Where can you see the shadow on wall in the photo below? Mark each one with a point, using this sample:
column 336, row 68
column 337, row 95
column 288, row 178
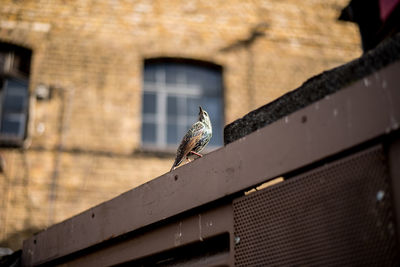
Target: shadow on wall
column 14, row 240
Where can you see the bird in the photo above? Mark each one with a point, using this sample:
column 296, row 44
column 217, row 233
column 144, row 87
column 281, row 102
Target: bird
column 196, row 138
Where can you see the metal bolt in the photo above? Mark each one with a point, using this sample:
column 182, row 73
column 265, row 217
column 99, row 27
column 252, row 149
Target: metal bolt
column 379, row 195
column 237, row 240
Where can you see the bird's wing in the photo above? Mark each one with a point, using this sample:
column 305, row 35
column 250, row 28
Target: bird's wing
column 189, row 141
column 191, row 138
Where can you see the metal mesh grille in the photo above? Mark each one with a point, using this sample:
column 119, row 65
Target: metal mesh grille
column 333, row 215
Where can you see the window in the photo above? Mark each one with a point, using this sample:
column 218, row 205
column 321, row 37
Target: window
column 14, row 96
column 172, row 94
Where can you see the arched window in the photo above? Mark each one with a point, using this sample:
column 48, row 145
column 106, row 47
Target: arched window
column 172, row 93
column 14, row 95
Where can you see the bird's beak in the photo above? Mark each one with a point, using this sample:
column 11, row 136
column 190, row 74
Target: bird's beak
column 201, row 110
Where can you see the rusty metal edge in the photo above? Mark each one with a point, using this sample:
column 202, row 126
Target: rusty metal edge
column 183, row 231
column 363, row 111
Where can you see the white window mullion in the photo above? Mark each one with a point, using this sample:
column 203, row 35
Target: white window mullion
column 161, row 110
column 161, row 118
column 176, row 89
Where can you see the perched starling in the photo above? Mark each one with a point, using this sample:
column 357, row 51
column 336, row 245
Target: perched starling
column 195, row 139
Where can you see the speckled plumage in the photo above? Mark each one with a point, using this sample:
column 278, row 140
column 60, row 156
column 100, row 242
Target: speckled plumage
column 195, row 139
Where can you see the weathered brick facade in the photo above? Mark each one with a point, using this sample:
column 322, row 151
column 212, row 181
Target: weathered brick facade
column 83, row 144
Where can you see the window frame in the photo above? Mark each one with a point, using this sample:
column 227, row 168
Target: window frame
column 164, row 90
column 17, row 61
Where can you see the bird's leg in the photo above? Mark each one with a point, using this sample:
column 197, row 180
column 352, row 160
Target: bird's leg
column 200, row 155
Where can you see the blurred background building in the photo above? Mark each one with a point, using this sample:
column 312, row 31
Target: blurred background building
column 95, row 95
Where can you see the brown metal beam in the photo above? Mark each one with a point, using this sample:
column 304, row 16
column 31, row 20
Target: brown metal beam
column 365, row 110
column 180, row 232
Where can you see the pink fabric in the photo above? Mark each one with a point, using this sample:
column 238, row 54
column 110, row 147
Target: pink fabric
column 386, row 8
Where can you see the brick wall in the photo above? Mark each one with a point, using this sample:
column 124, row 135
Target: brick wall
column 83, row 144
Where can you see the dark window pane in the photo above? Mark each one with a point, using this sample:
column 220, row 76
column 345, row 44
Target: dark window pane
column 149, row 132
column 212, row 84
column 181, row 131
column 172, row 119
column 15, row 86
column 149, row 103
column 14, row 104
column 210, row 90
column 197, row 76
column 192, row 75
column 172, row 72
column 216, row 139
column 172, row 106
column 149, row 73
column 212, row 106
column 172, row 133
column 192, row 106
column 209, row 80
column 10, row 126
column 15, row 96
column 14, row 107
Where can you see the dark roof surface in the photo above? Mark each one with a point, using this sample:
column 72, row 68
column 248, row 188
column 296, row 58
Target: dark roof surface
column 315, row 89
